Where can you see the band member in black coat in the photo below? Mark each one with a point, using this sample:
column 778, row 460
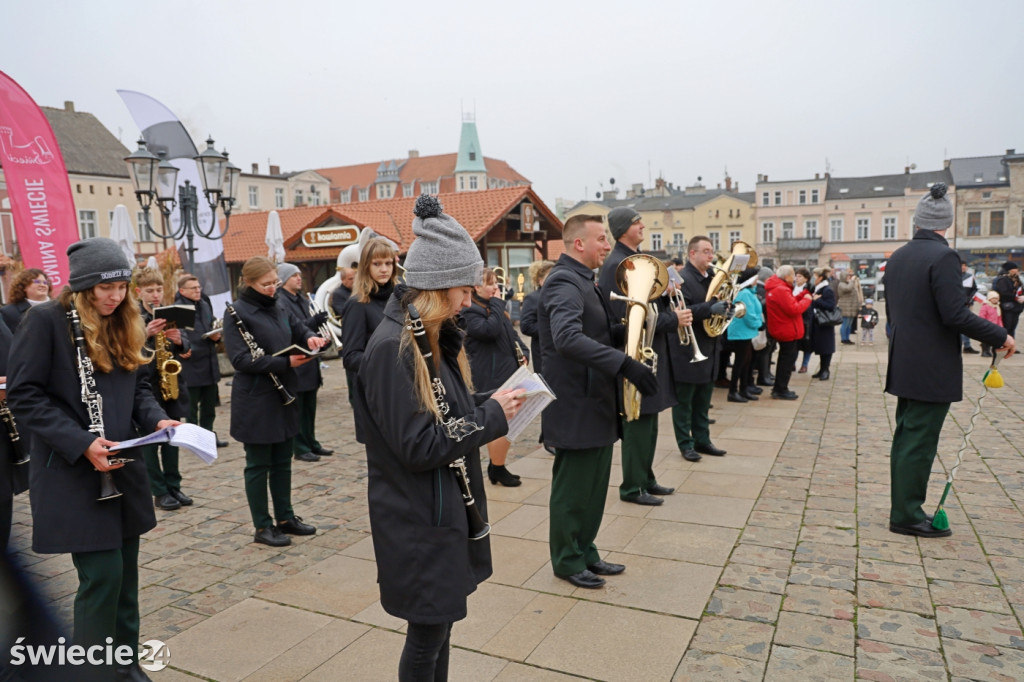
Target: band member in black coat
column 162, row 459
column 495, row 353
column 13, row 478
column 30, row 287
column 695, row 381
column 640, row 435
column 309, row 378
column 582, row 366
column 260, row 419
column 339, row 297
column 375, row 282
column 426, row 563
column 201, row 369
column 928, row 314
column 46, row 396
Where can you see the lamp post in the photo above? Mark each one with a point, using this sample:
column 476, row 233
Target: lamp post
column 156, row 179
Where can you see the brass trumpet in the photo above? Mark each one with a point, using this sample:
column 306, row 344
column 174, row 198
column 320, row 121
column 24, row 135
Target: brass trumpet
column 500, row 279
column 686, row 336
column 723, row 286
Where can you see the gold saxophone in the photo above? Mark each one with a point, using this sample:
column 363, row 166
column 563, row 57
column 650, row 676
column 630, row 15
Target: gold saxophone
column 167, row 367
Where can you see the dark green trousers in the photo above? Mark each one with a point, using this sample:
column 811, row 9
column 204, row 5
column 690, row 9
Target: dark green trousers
column 639, row 438
column 269, row 464
column 579, row 487
column 107, row 603
column 202, row 403
column 690, row 414
column 162, row 465
column 914, row 444
column 306, row 440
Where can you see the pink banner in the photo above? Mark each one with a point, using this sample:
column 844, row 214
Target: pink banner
column 37, row 184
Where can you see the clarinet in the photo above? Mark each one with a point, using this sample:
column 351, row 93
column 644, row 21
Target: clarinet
column 93, row 401
column 456, row 429
column 257, row 352
column 18, row 454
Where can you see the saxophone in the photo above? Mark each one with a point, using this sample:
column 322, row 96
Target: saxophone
column 167, row 367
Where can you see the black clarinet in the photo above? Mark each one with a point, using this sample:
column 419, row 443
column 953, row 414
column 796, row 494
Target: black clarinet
column 18, row 454
column 257, row 352
column 456, row 429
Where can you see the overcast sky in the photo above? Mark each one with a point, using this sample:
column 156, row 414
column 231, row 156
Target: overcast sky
column 570, row 93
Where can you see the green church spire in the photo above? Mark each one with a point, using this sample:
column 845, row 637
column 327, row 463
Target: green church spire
column 470, row 158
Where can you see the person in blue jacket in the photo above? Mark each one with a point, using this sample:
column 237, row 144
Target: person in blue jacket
column 739, row 336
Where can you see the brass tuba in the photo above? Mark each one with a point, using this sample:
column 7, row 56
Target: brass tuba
column 167, row 367
column 642, row 278
column 723, row 285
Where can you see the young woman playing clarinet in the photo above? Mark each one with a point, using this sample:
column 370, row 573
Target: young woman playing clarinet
column 75, row 386
column 264, row 415
column 421, row 418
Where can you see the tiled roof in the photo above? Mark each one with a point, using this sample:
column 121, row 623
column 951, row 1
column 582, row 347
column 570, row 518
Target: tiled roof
column 477, row 211
column 422, row 168
column 883, row 185
column 979, row 170
column 87, row 146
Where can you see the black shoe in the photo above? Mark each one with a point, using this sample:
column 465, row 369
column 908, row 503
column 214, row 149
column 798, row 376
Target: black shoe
column 766, row 382
column 750, row 395
column 712, row 421
column 295, row 526
column 132, row 673
column 322, row 451
column 272, row 536
column 691, row 455
column 167, row 502
column 549, row 449
column 824, row 375
column 756, row 390
column 658, row 490
column 736, row 397
column 221, row 443
column 816, row 374
column 502, row 475
column 583, row 579
column 709, row 449
column 602, row 567
column 922, row 529
column 848, row 343
column 181, row 497
column 788, row 395
column 644, row 498
column 970, row 351
column 986, row 354
column 307, row 457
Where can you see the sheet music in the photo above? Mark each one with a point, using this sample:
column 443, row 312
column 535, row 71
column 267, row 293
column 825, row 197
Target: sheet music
column 538, row 396
column 195, row 439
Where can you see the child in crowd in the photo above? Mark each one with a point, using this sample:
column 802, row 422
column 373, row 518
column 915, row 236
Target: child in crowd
column 990, row 311
column 868, row 319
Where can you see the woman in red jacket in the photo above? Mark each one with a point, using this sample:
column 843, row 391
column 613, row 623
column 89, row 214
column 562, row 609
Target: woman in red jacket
column 784, row 313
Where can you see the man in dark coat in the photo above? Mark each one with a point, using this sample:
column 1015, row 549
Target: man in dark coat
column 639, row 436
column 925, row 371
column 200, row 369
column 309, row 378
column 582, row 367
column 695, row 381
column 1011, row 302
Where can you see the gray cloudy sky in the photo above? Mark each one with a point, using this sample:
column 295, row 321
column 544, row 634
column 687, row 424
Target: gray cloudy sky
column 570, row 93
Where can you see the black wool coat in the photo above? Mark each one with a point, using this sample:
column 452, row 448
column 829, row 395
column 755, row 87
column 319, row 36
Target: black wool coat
column 45, row 395
column 175, row 409
column 580, row 363
column 13, row 312
column 339, row 299
column 358, row 325
column 296, row 306
column 201, row 368
column 823, row 339
column 664, row 330
column 258, row 414
column 491, row 343
column 426, row 564
column 695, row 290
column 13, row 480
column 528, row 325
column 926, row 308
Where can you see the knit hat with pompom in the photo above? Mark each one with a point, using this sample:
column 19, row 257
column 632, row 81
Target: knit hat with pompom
column 443, row 255
column 935, row 210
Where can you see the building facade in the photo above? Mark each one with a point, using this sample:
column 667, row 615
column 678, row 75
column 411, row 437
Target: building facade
column 791, row 217
column 989, row 209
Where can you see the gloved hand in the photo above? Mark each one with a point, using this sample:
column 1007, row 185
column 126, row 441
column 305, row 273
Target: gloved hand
column 720, row 308
column 640, row 375
column 319, row 320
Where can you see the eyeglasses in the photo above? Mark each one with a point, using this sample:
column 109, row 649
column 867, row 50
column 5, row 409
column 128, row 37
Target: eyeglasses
column 41, row 281
column 265, row 287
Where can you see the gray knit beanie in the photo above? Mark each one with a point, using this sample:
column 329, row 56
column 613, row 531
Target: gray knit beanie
column 443, row 254
column 619, row 220
column 285, row 271
column 96, row 261
column 764, row 274
column 934, row 211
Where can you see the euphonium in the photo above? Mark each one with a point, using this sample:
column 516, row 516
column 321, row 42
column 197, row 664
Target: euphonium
column 167, row 367
column 723, row 286
column 642, row 279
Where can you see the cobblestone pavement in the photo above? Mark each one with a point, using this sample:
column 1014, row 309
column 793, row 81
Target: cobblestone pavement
column 773, row 562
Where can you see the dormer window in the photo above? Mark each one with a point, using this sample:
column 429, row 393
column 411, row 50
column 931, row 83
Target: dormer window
column 472, row 156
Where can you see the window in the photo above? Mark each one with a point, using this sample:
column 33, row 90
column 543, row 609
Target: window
column 383, row 191
column 768, row 232
column 472, row 182
column 145, row 234
column 787, row 229
column 995, row 222
column 655, row 242
column 472, row 156
column 408, row 189
column 364, row 194
column 734, row 236
column 863, row 228
column 764, row 198
column 778, row 197
column 973, row 223
column 713, row 236
column 835, row 229
column 254, row 196
column 814, row 196
column 429, row 187
column 279, row 197
column 462, row 182
column 803, row 196
column 299, row 197
column 86, row 224
column 810, row 229
column 889, row 227
column 986, row 195
column 678, row 242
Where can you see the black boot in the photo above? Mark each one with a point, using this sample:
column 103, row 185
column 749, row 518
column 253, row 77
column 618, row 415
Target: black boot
column 503, row 476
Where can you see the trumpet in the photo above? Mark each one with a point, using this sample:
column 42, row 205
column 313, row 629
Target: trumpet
column 686, row 335
column 501, row 280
